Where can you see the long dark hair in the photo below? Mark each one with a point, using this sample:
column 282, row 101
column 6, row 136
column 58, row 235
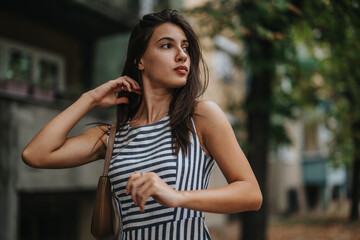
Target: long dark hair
column 185, row 98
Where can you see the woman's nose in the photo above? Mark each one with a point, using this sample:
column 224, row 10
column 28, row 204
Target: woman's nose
column 181, row 56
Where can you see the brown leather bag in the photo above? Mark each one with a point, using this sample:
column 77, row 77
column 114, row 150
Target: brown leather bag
column 105, row 218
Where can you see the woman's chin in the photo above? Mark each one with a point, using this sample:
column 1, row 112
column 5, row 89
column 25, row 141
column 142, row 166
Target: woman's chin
column 180, row 83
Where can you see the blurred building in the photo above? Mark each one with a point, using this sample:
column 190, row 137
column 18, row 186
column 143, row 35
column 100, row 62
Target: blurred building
column 301, row 176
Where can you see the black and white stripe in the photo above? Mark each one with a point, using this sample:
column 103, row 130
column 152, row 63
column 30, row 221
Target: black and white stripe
column 148, row 149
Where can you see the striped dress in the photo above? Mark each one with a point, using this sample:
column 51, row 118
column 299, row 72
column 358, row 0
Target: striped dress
column 148, row 149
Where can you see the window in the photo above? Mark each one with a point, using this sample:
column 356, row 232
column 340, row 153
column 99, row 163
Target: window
column 224, row 66
column 223, row 58
column 35, row 67
column 20, row 65
column 48, row 73
column 311, row 136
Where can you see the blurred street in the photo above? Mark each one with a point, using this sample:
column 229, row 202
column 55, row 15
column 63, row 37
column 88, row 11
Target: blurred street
column 330, row 225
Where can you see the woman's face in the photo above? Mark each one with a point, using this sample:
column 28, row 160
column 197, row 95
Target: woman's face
column 166, row 63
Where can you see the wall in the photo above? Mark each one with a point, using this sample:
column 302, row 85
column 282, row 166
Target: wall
column 25, row 31
column 20, row 121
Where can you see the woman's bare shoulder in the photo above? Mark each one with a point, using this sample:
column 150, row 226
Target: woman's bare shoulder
column 208, row 112
column 210, row 122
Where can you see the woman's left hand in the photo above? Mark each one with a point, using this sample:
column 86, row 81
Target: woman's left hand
column 143, row 185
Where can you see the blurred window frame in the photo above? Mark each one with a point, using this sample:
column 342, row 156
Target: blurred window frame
column 37, row 55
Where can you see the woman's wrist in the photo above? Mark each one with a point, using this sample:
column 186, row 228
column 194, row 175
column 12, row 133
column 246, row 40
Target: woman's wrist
column 88, row 99
column 182, row 198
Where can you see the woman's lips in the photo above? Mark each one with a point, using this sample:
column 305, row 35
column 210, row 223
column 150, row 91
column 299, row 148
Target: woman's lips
column 181, row 69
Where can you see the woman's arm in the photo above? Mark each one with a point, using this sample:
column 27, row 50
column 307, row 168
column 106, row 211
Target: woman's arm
column 51, row 148
column 218, row 140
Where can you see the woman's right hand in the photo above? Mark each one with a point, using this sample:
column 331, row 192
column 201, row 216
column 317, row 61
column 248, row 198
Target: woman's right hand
column 106, row 94
column 52, row 148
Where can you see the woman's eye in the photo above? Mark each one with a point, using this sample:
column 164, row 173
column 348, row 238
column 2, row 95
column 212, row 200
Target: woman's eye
column 167, row 45
column 186, row 49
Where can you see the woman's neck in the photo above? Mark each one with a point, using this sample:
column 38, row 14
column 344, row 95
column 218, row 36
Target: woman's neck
column 154, row 107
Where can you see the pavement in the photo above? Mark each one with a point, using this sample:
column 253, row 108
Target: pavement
column 329, row 224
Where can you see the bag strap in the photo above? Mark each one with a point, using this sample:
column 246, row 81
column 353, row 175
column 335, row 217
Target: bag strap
column 109, row 149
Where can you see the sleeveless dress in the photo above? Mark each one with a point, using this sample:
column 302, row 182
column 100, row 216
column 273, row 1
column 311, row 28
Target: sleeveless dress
column 148, row 149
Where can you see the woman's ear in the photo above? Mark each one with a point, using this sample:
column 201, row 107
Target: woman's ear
column 140, row 65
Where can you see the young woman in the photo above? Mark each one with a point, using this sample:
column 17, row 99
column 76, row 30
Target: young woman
column 167, row 140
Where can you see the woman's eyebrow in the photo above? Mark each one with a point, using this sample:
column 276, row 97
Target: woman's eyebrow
column 171, row 39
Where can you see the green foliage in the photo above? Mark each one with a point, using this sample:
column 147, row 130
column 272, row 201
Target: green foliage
column 335, row 26
column 259, row 24
column 316, row 49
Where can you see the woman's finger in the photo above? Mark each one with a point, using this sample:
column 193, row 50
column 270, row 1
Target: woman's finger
column 125, row 86
column 130, row 83
column 125, row 83
column 134, row 83
column 132, row 178
column 144, row 192
column 135, row 186
column 121, row 100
